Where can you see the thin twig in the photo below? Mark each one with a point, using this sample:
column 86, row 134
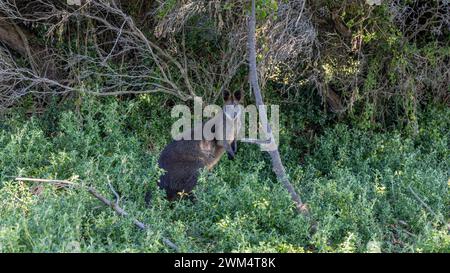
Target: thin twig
column 114, row 205
column 424, row 204
column 254, row 141
column 272, row 147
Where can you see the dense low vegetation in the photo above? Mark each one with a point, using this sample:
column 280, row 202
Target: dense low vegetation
column 86, row 89
column 368, row 190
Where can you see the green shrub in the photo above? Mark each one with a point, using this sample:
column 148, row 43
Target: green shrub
column 356, row 182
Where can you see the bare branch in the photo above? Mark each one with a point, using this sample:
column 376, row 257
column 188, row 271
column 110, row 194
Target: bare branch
column 114, row 205
column 272, row 148
column 425, row 205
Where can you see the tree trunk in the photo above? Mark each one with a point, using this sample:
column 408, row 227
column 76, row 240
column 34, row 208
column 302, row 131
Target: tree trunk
column 272, row 148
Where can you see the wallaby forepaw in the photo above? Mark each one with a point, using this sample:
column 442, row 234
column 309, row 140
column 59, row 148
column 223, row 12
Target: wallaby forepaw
column 148, row 199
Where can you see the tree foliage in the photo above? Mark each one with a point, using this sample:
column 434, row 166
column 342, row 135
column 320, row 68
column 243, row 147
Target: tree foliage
column 381, row 61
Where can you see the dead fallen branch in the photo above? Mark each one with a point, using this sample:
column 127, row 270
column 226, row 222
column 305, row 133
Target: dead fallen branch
column 272, row 147
column 417, row 197
column 114, row 205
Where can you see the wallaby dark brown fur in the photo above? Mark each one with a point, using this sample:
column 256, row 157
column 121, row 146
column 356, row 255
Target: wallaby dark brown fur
column 183, row 160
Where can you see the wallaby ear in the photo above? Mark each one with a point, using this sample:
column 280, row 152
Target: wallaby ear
column 238, row 95
column 226, row 95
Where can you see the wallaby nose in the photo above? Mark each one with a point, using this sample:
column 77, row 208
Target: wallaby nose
column 232, row 111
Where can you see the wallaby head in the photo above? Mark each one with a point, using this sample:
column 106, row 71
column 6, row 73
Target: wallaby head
column 230, row 122
column 231, row 104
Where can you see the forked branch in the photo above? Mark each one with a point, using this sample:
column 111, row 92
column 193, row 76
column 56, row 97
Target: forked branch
column 272, row 147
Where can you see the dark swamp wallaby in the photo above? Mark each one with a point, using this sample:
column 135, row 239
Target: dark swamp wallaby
column 182, row 160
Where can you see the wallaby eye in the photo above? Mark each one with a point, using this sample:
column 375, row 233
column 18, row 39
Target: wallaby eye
column 238, row 95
